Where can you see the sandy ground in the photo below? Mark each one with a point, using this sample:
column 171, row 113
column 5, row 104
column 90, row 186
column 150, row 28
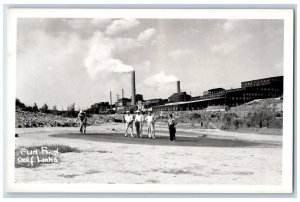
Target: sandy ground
column 199, row 156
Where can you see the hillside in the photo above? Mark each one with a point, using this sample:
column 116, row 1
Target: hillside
column 256, row 114
column 26, row 119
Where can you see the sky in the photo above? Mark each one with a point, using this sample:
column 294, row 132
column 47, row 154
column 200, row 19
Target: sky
column 64, row 61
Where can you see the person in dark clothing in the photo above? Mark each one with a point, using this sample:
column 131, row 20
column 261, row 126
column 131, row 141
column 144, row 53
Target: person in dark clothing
column 171, row 124
column 83, row 120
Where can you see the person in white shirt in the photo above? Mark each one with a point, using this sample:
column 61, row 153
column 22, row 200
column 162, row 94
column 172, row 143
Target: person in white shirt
column 129, row 123
column 139, row 119
column 150, row 123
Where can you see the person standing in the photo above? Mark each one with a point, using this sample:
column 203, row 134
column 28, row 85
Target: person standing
column 139, row 119
column 83, row 120
column 129, row 123
column 151, row 125
column 172, row 129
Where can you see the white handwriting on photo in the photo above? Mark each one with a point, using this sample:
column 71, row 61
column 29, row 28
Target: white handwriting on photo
column 33, row 156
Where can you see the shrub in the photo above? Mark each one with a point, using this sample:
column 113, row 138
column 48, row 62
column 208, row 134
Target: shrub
column 70, row 114
column 35, row 108
column 228, row 120
column 19, row 104
column 194, row 116
column 44, row 108
column 278, row 114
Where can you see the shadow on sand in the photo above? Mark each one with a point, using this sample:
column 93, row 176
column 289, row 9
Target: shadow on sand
column 164, row 140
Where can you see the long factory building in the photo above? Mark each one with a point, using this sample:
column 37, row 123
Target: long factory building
column 271, row 87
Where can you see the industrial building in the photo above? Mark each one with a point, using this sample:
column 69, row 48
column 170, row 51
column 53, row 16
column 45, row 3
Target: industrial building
column 250, row 90
column 154, row 102
column 99, row 108
column 179, row 96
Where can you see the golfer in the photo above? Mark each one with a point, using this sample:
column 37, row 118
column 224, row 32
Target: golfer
column 151, row 125
column 129, row 123
column 83, row 120
column 139, row 119
column 172, row 129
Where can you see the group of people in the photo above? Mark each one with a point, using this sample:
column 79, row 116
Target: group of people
column 137, row 121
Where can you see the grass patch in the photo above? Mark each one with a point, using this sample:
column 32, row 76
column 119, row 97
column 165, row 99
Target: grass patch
column 176, row 171
column 152, row 181
column 93, row 172
column 68, row 176
column 198, row 175
column 243, row 173
column 263, row 131
column 103, row 151
column 131, row 172
column 34, row 156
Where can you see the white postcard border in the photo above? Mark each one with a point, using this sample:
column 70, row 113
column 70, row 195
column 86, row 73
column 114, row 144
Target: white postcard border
column 287, row 150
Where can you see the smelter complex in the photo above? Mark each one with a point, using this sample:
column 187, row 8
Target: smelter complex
column 271, row 87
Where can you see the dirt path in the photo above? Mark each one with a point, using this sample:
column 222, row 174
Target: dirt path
column 198, row 156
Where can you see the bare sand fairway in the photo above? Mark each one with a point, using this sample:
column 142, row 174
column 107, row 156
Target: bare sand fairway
column 199, row 156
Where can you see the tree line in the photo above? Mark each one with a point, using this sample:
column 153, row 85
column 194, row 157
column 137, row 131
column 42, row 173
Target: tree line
column 70, row 112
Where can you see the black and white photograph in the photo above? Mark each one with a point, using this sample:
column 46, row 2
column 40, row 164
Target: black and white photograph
column 137, row 100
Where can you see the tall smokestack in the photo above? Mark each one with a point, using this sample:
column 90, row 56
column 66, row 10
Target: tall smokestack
column 110, row 97
column 122, row 93
column 133, row 87
column 178, row 86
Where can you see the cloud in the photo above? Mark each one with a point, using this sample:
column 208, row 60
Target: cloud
column 146, row 35
column 101, row 57
column 160, row 79
column 126, row 44
column 121, row 25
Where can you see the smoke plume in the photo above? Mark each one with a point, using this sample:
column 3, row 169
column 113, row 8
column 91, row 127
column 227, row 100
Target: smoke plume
column 160, row 79
column 101, row 57
column 103, row 50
